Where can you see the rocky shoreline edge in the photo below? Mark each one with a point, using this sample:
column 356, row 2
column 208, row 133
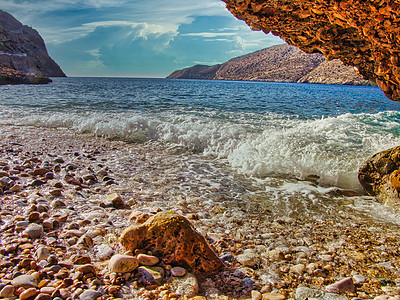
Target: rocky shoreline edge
column 10, row 76
column 65, row 213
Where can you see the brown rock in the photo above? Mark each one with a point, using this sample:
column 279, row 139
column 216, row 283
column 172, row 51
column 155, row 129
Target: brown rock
column 85, row 269
column 29, row 293
column 173, row 239
column 379, row 175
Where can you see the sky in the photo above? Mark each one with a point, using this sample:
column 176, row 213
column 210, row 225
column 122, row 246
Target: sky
column 129, row 38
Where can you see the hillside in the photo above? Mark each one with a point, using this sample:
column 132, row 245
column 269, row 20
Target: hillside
column 23, row 53
column 281, row 63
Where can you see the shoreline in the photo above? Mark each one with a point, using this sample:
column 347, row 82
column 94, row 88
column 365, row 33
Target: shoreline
column 270, row 253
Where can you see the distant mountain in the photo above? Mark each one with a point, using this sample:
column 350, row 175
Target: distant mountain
column 23, row 53
column 281, row 63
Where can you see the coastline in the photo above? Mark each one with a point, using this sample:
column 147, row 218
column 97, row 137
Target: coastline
column 269, row 253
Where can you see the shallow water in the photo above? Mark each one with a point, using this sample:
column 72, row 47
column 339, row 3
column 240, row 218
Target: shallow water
column 272, row 148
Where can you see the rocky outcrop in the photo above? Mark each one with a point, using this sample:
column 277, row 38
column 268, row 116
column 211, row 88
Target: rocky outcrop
column 174, row 240
column 364, row 34
column 23, row 50
column 380, row 176
column 334, row 72
column 10, row 76
column 281, row 63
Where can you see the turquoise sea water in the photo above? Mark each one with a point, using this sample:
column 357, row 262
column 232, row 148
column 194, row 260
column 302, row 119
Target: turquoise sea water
column 291, row 139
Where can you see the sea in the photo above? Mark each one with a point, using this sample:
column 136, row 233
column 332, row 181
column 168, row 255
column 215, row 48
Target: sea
column 284, row 148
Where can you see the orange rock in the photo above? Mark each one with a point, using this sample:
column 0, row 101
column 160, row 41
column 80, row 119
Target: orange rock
column 395, row 179
column 173, row 239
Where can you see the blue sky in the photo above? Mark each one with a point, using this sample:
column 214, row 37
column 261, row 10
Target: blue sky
column 137, row 38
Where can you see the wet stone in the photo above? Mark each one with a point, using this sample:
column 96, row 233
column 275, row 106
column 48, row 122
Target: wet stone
column 178, row 271
column 34, row 231
column 7, row 291
column 25, row 281
column 186, row 285
column 147, row 260
column 28, row 293
column 89, row 295
column 120, row 263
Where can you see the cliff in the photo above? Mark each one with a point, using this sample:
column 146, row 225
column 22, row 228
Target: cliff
column 281, row 63
column 364, row 34
column 23, row 53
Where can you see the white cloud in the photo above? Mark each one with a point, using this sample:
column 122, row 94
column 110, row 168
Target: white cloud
column 209, row 34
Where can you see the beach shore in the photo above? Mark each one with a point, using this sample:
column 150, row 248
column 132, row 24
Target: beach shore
column 63, row 181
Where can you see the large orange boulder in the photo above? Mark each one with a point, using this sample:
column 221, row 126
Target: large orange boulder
column 173, row 239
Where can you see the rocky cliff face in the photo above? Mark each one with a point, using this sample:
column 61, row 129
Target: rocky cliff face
column 282, row 63
column 364, row 34
column 22, row 49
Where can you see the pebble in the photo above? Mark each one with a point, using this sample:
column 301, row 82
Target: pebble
column 178, row 271
column 249, row 258
column 153, row 275
column 359, row 279
column 7, row 291
column 34, row 231
column 147, row 260
column 25, row 281
column 344, row 285
column 186, row 285
column 120, row 263
column 28, row 293
column 273, row 296
column 89, row 295
column 115, row 200
column 103, row 252
column 256, row 295
column 275, row 255
column 57, row 203
column 43, row 297
column 298, row 269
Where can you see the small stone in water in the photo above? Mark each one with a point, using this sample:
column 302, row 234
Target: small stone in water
column 123, row 263
column 147, row 260
column 178, row 271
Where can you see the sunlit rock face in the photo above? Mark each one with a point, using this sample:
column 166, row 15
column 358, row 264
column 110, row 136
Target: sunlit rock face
column 361, row 33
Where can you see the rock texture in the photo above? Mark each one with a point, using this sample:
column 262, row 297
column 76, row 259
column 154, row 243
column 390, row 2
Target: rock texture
column 174, row 240
column 281, row 63
column 379, row 176
column 364, row 34
column 23, row 54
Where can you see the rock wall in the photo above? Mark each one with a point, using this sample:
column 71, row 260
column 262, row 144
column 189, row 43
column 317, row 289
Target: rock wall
column 23, row 49
column 364, row 34
column 281, row 63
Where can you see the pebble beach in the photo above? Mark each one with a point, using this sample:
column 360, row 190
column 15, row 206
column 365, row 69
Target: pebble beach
column 66, row 198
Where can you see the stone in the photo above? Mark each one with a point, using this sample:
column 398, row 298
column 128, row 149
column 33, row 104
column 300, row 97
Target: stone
column 43, row 297
column 275, row 255
column 173, row 239
column 298, row 269
column 103, row 251
column 24, row 281
column 42, row 253
column 256, row 295
column 379, row 176
column 115, row 200
column 28, row 293
column 81, row 260
column 85, row 269
column 342, row 286
column 120, row 263
column 7, row 291
column 359, row 279
column 57, row 203
column 249, row 258
column 186, row 285
column 178, row 272
column 153, row 275
column 89, row 295
column 138, row 217
column 34, row 231
column 273, row 296
column 147, row 260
